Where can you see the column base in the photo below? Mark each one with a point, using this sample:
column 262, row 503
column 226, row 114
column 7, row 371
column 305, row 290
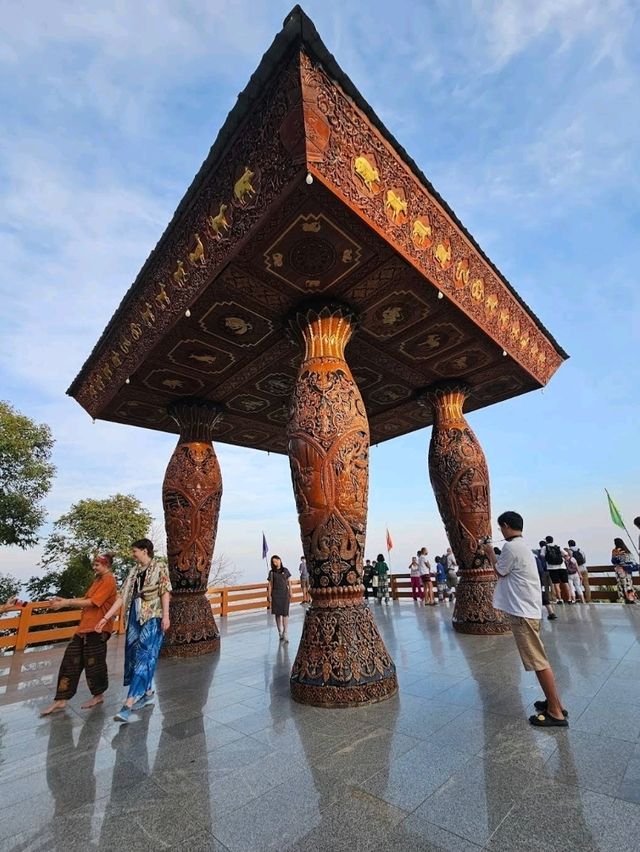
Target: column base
column 193, row 630
column 342, row 660
column 474, row 612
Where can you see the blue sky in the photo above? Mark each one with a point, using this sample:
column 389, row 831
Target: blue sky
column 524, row 116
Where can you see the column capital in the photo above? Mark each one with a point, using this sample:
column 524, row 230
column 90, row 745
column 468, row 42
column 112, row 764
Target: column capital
column 196, row 418
column 323, row 326
column 446, row 400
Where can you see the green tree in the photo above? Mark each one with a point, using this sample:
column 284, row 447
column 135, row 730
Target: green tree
column 91, row 525
column 9, row 587
column 25, row 476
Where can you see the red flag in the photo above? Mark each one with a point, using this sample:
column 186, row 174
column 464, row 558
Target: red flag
column 389, row 540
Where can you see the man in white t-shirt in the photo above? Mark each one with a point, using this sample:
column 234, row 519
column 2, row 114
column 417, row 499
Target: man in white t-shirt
column 517, row 594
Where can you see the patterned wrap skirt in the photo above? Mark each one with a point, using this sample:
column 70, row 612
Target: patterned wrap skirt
column 141, row 651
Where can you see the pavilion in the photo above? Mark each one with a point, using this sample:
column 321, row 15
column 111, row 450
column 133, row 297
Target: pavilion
column 306, row 225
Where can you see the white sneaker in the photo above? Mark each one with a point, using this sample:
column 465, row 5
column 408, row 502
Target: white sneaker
column 285, row 638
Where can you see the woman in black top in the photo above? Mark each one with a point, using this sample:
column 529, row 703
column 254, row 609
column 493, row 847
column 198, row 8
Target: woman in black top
column 279, row 595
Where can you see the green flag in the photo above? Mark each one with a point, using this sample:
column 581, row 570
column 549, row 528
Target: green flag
column 616, row 517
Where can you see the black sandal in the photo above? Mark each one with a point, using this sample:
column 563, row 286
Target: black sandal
column 541, row 707
column 544, row 720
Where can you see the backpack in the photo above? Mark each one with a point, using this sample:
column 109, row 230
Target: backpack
column 578, row 555
column 553, row 555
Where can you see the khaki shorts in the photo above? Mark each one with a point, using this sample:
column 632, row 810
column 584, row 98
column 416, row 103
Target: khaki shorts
column 526, row 632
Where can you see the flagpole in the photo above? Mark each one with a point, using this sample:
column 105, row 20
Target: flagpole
column 622, row 523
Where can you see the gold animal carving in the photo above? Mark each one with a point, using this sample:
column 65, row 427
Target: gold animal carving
column 107, row 372
column 116, row 360
column 534, row 349
column 491, row 303
column 421, row 233
column 461, row 273
column 136, row 330
column 278, row 259
column 366, row 171
column 172, row 384
column 312, row 283
column 504, row 318
column 219, row 223
column 524, row 341
column 243, row 186
column 161, row 298
column 432, row 341
column 395, row 204
column 477, row 289
column 515, row 330
column 180, row 275
column 313, row 227
column 237, row 325
column 196, row 257
column 203, row 359
column 390, row 316
column 147, row 314
column 125, row 345
column 442, row 253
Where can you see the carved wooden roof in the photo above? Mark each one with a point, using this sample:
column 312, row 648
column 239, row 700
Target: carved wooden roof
column 252, row 238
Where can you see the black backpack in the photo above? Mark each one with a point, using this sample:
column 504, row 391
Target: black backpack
column 578, row 555
column 553, row 555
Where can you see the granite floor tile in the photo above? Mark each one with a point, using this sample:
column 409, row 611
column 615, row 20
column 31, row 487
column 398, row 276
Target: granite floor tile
column 361, row 758
column 414, row 834
column 595, row 763
column 474, row 801
column 415, row 775
column 558, row 817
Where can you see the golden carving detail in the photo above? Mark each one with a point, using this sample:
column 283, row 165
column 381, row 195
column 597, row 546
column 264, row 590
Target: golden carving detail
column 368, row 173
column 442, row 253
column 219, row 222
column 461, row 273
column 180, row 275
column 396, row 206
column 421, row 233
column 243, row 186
column 197, row 256
column 477, row 290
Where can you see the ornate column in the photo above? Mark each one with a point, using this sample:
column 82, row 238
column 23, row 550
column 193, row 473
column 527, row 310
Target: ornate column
column 460, row 480
column 341, row 661
column 191, row 494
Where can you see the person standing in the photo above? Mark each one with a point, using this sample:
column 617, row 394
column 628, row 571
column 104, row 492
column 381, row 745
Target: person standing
column 581, row 561
column 575, row 581
column 304, row 581
column 144, row 601
column 517, row 594
column 88, row 649
column 279, row 595
column 623, row 564
column 416, row 582
column 382, row 572
column 426, row 576
column 542, row 568
column 441, row 577
column 553, row 556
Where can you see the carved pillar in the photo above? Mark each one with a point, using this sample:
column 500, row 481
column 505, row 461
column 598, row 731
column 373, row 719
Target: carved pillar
column 341, row 661
column 460, row 480
column 191, row 494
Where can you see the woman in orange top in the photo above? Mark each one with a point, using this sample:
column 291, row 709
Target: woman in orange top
column 88, row 649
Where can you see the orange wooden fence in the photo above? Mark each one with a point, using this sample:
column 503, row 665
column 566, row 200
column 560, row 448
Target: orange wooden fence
column 34, row 624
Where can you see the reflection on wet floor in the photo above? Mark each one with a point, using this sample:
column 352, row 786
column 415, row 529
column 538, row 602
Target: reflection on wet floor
column 225, row 759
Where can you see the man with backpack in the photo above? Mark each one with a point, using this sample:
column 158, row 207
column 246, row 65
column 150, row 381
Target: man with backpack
column 581, row 559
column 558, row 574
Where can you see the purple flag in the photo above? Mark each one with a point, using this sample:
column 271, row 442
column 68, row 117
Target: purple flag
column 265, row 547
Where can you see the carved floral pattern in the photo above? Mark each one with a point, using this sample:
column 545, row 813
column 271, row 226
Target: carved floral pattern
column 460, row 480
column 191, row 495
column 341, row 659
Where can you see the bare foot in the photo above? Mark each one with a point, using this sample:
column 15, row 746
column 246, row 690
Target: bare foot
column 56, row 707
column 92, row 702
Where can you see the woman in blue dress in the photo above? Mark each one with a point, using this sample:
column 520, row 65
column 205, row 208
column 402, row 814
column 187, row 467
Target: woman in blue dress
column 144, row 600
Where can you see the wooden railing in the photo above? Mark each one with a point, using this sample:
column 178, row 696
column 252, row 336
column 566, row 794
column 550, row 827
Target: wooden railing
column 602, row 582
column 34, row 624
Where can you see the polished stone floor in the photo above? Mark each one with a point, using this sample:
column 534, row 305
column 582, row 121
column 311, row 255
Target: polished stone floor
column 226, row 760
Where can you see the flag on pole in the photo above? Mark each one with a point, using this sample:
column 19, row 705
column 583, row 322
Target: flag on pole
column 389, row 541
column 616, row 517
column 265, row 546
